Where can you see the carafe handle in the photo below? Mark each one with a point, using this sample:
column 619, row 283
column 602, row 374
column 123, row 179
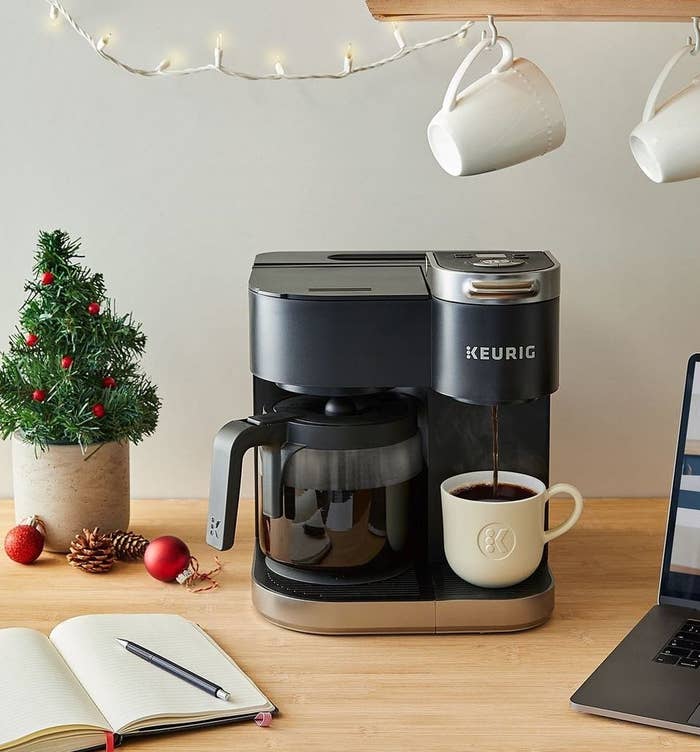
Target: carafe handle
column 230, row 446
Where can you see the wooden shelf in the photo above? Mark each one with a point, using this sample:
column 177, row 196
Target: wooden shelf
column 542, row 10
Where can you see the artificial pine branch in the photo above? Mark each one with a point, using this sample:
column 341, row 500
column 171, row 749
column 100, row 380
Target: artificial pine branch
column 100, row 345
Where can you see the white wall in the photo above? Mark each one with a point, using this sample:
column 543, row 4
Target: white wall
column 174, row 185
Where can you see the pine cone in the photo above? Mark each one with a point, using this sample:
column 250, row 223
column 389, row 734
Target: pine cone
column 91, row 551
column 128, row 546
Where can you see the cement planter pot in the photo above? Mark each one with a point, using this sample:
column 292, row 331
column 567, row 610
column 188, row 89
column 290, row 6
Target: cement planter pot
column 70, row 490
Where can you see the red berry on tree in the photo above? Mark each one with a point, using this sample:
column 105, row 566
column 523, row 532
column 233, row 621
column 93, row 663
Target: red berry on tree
column 98, row 410
column 47, row 278
column 93, row 309
column 31, row 339
column 108, row 382
column 66, row 361
column 38, row 395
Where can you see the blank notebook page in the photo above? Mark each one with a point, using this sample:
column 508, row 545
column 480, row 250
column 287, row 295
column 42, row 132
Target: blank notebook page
column 131, row 692
column 37, row 691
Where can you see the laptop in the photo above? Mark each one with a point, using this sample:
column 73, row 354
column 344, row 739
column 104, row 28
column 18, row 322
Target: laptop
column 653, row 675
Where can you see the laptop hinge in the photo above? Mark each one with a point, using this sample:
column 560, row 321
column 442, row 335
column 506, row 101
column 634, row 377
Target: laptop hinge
column 666, row 600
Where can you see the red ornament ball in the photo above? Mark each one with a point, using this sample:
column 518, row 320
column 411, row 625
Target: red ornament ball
column 38, row 395
column 93, row 309
column 31, row 339
column 66, row 361
column 47, row 278
column 108, row 382
column 24, row 542
column 98, row 410
column 166, row 557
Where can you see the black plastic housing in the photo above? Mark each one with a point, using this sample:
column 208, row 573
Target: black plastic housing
column 495, row 354
column 322, row 345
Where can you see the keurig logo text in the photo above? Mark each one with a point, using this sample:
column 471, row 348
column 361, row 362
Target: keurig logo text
column 480, row 352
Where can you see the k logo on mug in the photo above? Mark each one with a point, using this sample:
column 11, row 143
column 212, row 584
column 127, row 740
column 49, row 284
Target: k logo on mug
column 496, row 541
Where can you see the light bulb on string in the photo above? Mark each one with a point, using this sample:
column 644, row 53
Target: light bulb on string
column 163, row 65
column 279, row 68
column 53, row 12
column 219, row 51
column 347, row 60
column 398, row 36
column 103, row 41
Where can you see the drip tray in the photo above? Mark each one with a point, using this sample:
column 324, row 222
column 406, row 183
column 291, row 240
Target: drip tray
column 419, row 599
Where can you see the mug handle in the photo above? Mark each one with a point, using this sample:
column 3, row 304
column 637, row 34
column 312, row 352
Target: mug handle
column 557, row 488
column 506, row 61
column 650, row 108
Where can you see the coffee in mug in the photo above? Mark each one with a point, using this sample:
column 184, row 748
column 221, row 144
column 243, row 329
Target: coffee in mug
column 494, row 541
column 486, row 492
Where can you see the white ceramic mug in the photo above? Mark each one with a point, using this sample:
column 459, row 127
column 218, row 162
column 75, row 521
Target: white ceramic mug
column 666, row 144
column 508, row 116
column 499, row 543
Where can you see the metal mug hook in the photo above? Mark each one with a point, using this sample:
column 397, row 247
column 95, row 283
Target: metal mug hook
column 694, row 41
column 493, row 30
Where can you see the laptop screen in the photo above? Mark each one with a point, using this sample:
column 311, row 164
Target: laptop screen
column 681, row 567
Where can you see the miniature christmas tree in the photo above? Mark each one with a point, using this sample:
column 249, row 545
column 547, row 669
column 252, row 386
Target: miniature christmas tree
column 71, row 373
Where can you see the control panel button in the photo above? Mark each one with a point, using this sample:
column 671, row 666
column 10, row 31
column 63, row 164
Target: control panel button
column 500, row 262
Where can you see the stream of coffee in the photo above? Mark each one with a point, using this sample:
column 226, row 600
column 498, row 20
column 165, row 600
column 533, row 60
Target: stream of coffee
column 494, row 427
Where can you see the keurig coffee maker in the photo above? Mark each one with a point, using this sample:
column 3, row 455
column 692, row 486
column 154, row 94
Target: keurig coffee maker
column 377, row 375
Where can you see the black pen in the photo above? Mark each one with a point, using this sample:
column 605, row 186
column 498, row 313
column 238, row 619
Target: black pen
column 172, row 668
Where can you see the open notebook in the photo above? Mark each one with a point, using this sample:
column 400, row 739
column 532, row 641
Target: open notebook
column 63, row 692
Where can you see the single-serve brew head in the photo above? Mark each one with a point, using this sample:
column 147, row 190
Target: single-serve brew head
column 495, row 325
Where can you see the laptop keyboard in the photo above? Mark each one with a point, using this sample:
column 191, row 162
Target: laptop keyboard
column 683, row 649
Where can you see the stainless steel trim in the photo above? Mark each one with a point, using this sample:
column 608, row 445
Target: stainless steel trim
column 635, row 718
column 401, row 617
column 339, row 617
column 452, row 285
column 508, row 615
column 526, row 288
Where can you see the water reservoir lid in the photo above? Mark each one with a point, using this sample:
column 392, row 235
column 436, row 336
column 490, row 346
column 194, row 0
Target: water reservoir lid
column 338, row 282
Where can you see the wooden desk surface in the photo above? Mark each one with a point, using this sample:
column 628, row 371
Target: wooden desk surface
column 449, row 692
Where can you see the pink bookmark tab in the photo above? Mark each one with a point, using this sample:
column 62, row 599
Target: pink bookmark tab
column 263, row 719
column 109, row 741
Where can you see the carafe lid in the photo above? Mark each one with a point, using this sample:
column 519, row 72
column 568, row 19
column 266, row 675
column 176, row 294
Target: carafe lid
column 356, row 422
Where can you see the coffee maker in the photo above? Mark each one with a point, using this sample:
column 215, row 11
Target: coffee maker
column 376, row 375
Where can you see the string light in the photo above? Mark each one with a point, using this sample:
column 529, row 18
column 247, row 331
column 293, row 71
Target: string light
column 102, row 42
column 347, row 60
column 398, row 36
column 219, row 51
column 164, row 68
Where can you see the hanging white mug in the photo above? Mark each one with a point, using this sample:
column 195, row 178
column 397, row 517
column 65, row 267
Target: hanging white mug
column 666, row 144
column 508, row 116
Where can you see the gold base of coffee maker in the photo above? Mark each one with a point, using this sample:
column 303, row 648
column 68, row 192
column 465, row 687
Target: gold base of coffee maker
column 440, row 603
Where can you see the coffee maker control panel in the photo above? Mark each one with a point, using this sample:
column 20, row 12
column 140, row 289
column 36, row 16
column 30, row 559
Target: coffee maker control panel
column 494, row 261
column 492, row 277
